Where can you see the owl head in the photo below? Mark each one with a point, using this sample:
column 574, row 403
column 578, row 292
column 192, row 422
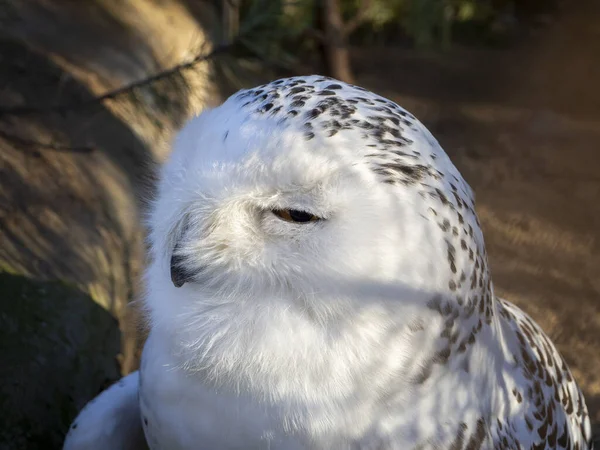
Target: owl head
column 309, row 193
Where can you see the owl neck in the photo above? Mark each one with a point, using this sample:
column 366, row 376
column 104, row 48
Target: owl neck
column 283, row 352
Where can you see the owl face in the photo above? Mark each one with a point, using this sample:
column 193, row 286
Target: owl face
column 287, row 194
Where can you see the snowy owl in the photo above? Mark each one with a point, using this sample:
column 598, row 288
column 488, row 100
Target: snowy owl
column 319, row 280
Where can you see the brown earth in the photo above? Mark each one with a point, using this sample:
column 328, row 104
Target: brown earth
column 523, row 126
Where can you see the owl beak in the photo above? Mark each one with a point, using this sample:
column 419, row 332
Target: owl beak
column 179, row 274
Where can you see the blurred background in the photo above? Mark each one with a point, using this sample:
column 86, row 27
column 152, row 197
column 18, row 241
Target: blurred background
column 92, row 91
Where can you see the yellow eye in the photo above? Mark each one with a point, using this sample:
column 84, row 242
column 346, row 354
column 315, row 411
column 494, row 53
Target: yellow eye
column 296, row 216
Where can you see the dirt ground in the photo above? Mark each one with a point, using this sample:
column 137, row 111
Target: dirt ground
column 523, row 126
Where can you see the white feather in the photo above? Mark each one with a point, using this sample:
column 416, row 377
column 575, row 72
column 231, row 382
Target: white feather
column 110, row 421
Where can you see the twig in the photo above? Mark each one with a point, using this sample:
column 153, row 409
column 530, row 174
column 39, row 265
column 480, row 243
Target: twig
column 111, row 95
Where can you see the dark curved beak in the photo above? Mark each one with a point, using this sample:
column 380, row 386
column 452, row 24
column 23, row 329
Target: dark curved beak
column 179, row 274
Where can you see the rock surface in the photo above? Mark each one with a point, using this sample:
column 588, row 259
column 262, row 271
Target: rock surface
column 58, row 347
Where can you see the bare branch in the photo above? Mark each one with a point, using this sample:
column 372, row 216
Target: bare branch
column 358, row 18
column 111, row 95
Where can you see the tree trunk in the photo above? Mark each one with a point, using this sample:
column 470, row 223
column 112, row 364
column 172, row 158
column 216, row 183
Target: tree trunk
column 231, row 19
column 337, row 58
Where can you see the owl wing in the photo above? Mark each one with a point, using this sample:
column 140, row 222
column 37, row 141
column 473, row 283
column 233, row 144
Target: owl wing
column 110, row 421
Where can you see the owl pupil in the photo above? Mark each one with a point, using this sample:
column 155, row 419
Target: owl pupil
column 300, row 216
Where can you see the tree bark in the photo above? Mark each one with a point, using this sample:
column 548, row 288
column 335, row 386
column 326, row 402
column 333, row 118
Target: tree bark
column 337, row 58
column 231, row 19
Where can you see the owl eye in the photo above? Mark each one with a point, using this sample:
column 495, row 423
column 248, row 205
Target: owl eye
column 296, row 216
